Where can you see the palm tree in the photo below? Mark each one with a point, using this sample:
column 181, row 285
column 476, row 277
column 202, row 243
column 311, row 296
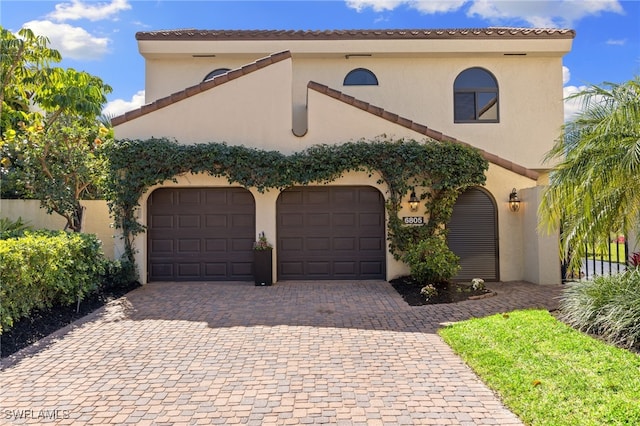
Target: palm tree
column 595, row 187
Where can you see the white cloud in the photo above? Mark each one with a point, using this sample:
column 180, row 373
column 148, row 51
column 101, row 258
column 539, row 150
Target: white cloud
column 91, row 11
column 566, row 75
column 376, row 5
column 572, row 106
column 120, row 106
column 536, row 13
column 71, row 42
column 613, row 42
column 441, row 6
column 545, row 13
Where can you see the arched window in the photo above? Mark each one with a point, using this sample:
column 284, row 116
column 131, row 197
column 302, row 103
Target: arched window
column 360, row 77
column 475, row 97
column 216, row 72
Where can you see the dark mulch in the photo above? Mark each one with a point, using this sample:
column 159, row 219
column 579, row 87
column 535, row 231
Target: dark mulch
column 448, row 292
column 43, row 322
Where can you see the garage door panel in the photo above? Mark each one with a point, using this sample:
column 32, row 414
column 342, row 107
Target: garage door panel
column 189, row 197
column 241, row 245
column 291, row 268
column 372, row 268
column 162, row 246
column 188, row 270
column 317, row 197
column 371, row 244
column 215, row 198
column 164, row 198
column 347, row 243
column 317, row 244
column 242, row 220
column 199, row 234
column 242, row 199
column 371, row 219
column 162, row 270
column 291, row 244
column 318, row 219
column 161, row 221
column 242, row 268
column 213, row 245
column 216, row 221
column 292, row 197
column 345, row 197
column 345, row 268
column 292, row 219
column 344, row 219
column 188, row 246
column 318, row 268
column 215, row 270
column 319, row 232
column 188, row 221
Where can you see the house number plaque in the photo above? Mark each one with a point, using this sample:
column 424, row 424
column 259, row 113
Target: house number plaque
column 413, row 220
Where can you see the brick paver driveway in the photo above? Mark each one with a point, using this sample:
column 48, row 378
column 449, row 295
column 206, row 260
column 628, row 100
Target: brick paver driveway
column 231, row 353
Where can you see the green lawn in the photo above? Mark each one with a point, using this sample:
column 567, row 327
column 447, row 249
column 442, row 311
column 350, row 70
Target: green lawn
column 548, row 373
column 616, row 249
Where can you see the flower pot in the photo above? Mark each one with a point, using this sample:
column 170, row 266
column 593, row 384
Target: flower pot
column 262, row 269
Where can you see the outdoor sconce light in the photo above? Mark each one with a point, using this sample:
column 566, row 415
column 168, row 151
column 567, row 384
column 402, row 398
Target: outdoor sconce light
column 413, row 202
column 514, row 201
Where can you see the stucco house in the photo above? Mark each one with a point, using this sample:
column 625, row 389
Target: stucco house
column 496, row 89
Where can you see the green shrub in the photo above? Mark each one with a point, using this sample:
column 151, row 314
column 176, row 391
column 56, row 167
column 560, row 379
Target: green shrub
column 431, row 261
column 117, row 274
column 45, row 268
column 12, row 228
column 608, row 306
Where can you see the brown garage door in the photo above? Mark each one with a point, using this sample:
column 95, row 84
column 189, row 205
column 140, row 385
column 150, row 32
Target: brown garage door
column 200, row 234
column 331, row 233
column 473, row 235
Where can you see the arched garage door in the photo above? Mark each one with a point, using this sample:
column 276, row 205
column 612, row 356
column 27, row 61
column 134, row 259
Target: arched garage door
column 473, row 235
column 200, row 234
column 331, row 232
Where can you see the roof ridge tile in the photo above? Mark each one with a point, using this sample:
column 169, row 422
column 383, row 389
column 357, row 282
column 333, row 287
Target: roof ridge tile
column 419, row 128
column 201, row 87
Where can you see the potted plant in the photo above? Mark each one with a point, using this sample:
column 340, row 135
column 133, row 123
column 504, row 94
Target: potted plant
column 262, row 261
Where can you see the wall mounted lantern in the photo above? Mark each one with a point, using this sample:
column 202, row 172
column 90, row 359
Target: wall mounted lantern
column 514, row 201
column 413, row 202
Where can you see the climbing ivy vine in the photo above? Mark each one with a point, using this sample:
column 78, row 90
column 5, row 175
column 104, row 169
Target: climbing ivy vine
column 437, row 171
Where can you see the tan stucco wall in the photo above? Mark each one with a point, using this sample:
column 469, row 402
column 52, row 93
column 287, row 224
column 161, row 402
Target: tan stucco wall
column 255, row 110
column 418, row 88
column 96, row 220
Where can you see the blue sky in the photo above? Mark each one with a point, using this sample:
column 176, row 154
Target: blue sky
column 99, row 36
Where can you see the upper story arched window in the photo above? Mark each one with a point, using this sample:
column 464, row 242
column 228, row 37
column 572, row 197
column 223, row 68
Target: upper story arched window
column 475, row 97
column 216, row 72
column 360, row 77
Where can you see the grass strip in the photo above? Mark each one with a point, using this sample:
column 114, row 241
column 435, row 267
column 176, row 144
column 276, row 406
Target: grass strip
column 546, row 372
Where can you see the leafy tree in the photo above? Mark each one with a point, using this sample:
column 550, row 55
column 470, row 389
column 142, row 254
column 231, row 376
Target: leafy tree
column 595, row 188
column 24, row 63
column 50, row 127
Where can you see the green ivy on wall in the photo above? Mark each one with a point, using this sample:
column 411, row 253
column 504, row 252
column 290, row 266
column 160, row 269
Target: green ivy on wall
column 437, row 171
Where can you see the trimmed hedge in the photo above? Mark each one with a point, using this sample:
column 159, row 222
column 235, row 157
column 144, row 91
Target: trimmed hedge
column 45, row 268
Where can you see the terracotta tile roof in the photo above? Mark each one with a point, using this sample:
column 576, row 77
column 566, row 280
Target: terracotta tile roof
column 205, row 85
column 419, row 128
column 371, row 34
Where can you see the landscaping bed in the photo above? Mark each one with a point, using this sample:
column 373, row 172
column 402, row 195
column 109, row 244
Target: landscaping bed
column 42, row 322
column 448, row 292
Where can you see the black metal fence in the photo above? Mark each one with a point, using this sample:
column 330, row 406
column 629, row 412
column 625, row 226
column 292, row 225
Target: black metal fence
column 607, row 262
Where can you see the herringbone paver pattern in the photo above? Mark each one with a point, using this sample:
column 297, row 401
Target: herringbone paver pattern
column 345, row 353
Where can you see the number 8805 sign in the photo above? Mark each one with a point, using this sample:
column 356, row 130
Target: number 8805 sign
column 413, row 220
